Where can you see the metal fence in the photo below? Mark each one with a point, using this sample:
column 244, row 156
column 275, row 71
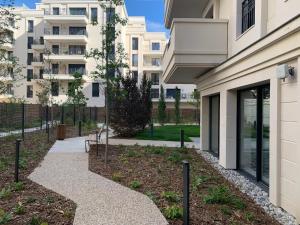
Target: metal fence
column 22, row 119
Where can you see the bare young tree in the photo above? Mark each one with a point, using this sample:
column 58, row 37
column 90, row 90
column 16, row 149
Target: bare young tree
column 110, row 57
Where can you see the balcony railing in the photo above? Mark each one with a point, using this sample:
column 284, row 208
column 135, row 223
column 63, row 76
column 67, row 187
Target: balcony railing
column 63, row 12
column 65, row 32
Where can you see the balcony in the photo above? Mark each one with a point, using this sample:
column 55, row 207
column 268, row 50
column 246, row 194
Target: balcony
column 64, row 17
column 38, row 45
column 37, row 62
column 196, row 46
column 7, row 46
column 66, row 36
column 62, row 75
column 67, row 57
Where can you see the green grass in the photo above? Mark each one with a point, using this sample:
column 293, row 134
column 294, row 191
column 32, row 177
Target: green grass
column 170, row 133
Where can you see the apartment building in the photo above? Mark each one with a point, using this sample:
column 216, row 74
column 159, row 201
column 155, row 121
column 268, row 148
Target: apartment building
column 51, row 42
column 145, row 51
column 244, row 57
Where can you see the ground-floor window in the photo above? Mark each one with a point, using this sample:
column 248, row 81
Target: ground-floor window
column 214, row 124
column 253, row 132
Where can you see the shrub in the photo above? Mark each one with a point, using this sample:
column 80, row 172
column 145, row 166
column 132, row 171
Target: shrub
column 155, row 150
column 171, row 196
column 162, row 116
column 5, row 217
column 19, row 209
column 173, row 212
column 5, row 193
column 249, row 216
column 135, row 184
column 19, row 186
column 198, row 180
column 175, row 157
column 117, row 176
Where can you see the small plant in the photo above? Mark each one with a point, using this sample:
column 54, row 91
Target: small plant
column 155, row 150
column 173, row 212
column 19, row 186
column 5, row 217
column 49, row 199
column 19, row 209
column 249, row 216
column 152, row 196
column 171, row 196
column 175, row 157
column 131, row 153
column 23, row 163
column 198, row 181
column 31, row 199
column 35, row 221
column 117, row 176
column 5, row 193
column 135, row 184
column 226, row 210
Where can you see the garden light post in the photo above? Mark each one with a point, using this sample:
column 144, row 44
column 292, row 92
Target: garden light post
column 62, row 118
column 80, row 128
column 186, row 192
column 18, row 143
column 23, row 121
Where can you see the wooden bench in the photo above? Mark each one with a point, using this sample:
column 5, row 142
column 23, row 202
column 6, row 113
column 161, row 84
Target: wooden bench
column 94, row 139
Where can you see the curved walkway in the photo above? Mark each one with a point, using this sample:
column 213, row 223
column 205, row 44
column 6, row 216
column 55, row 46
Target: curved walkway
column 99, row 201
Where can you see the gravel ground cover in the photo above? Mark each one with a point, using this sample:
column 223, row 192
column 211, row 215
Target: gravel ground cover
column 157, row 172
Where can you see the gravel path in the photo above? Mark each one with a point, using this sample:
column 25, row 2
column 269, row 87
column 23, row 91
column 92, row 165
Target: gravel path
column 99, row 200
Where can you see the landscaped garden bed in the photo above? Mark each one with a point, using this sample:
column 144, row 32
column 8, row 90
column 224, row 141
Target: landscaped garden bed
column 170, row 133
column 157, row 172
column 27, row 202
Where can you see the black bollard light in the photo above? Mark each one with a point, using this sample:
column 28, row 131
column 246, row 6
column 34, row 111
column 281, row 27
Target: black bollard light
column 18, row 143
column 186, row 192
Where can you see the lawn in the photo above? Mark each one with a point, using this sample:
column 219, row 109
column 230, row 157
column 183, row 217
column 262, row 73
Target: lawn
column 157, row 172
column 170, row 133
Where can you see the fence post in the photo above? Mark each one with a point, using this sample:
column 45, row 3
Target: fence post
column 151, row 129
column 23, row 121
column 96, row 114
column 79, row 128
column 182, row 138
column 41, row 116
column 90, row 113
column 186, row 192
column 97, row 147
column 18, row 142
column 74, row 115
column 62, row 118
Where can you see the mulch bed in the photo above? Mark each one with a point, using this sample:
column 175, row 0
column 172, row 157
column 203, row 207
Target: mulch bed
column 28, row 202
column 156, row 170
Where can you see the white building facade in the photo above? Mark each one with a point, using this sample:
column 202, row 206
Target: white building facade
column 244, row 57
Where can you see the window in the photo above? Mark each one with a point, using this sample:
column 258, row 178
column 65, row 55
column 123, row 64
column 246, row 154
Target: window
column 55, row 49
column 29, row 42
column 77, row 11
column 155, row 78
column 171, row 93
column 214, row 124
column 55, row 30
column 41, row 73
column 29, row 75
column 10, row 55
column 29, row 58
column 29, row 91
column 248, row 14
column 77, row 30
column 135, row 44
column 11, row 72
column 42, row 40
column 155, row 46
column 41, row 57
column 76, row 49
column 135, row 75
column 135, row 60
column 154, row 93
column 94, row 15
column 155, row 62
column 9, row 89
column 54, row 88
column 110, row 13
column 55, row 68
column 30, row 26
column 95, row 90
column 55, row 11
column 77, row 68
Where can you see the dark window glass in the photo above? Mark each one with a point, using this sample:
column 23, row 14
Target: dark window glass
column 95, row 90
column 77, row 68
column 29, row 42
column 55, row 10
column 29, row 58
column 155, row 62
column 135, row 44
column 41, row 73
column 55, row 30
column 94, row 15
column 9, row 89
column 42, row 40
column 41, row 57
column 214, row 118
column 55, row 49
column 29, row 91
column 30, row 26
column 135, row 75
column 135, row 60
column 110, row 13
column 248, row 14
column 155, row 46
column 54, row 88
column 155, row 78
column 55, row 68
column 171, row 93
column 76, row 49
column 29, row 75
column 77, row 11
column 77, row 30
column 154, row 93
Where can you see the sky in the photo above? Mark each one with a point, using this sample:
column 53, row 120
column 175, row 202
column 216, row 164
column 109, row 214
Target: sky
column 153, row 10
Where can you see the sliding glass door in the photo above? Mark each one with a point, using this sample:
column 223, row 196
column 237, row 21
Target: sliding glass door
column 214, row 124
column 253, row 132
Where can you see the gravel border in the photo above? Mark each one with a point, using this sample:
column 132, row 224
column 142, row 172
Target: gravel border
column 252, row 190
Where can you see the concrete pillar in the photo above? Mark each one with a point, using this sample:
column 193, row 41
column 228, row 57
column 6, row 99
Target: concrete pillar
column 204, row 129
column 275, row 143
column 298, row 148
column 228, row 134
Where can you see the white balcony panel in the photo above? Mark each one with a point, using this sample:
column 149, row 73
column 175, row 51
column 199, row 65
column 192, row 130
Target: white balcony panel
column 7, row 46
column 61, row 77
column 38, row 47
column 196, row 45
column 66, row 38
column 37, row 64
column 67, row 58
column 152, row 68
column 76, row 19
